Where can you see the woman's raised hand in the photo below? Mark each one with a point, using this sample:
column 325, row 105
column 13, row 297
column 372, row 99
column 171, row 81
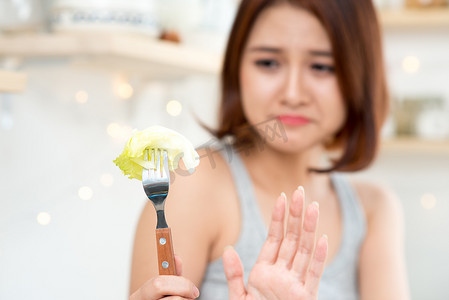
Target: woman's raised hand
column 167, row 287
column 290, row 264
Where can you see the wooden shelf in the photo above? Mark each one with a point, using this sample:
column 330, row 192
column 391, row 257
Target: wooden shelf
column 423, row 18
column 12, row 82
column 415, row 145
column 131, row 52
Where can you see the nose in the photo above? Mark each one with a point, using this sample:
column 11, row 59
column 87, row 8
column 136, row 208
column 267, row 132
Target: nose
column 295, row 93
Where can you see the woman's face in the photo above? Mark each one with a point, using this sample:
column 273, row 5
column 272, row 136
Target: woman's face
column 287, row 74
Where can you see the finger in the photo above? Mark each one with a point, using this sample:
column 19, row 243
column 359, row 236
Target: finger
column 317, row 266
column 290, row 243
column 270, row 248
column 176, row 298
column 307, row 241
column 167, row 285
column 178, row 264
column 234, row 274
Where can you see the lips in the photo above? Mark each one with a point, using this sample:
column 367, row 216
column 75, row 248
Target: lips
column 293, row 120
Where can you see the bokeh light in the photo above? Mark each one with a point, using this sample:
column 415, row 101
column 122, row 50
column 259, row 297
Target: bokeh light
column 117, row 131
column 106, row 179
column 85, row 193
column 124, row 90
column 411, row 64
column 43, row 218
column 174, row 108
column 81, row 97
column 428, row 201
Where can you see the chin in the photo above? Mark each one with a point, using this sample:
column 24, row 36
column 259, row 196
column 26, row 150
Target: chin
column 290, row 145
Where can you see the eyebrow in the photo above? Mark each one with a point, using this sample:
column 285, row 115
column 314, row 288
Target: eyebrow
column 321, row 53
column 265, row 49
column 278, row 50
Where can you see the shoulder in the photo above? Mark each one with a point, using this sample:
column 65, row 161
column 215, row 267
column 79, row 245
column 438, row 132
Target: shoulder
column 379, row 201
column 207, row 177
column 201, row 197
column 382, row 267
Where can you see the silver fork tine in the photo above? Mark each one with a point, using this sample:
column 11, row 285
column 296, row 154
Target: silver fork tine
column 165, row 172
column 145, row 172
column 153, row 171
column 158, row 166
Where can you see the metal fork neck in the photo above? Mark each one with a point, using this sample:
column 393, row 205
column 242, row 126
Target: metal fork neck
column 161, row 222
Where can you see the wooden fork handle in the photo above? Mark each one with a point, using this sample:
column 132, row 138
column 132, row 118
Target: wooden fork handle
column 165, row 254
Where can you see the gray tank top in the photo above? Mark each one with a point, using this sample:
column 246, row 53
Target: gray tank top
column 339, row 280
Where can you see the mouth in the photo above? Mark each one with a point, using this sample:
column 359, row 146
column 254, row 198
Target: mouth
column 293, row 120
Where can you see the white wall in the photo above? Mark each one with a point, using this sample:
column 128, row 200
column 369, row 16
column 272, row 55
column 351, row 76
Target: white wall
column 57, row 145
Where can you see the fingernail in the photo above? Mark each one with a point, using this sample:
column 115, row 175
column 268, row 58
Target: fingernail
column 284, row 195
column 196, row 292
column 325, row 237
column 316, row 204
column 227, row 248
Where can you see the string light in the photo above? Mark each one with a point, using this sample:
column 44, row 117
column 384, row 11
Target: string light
column 81, row 97
column 428, row 201
column 125, row 90
column 411, row 64
column 43, row 218
column 174, row 108
column 107, row 179
column 113, row 129
column 85, row 193
column 118, row 131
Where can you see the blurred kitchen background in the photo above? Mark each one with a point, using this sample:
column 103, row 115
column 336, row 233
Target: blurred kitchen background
column 77, row 76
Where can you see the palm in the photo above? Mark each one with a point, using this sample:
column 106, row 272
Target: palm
column 274, row 282
column 286, row 267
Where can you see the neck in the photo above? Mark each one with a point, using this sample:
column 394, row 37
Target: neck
column 284, row 172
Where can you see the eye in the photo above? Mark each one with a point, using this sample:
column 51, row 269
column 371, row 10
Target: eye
column 267, row 63
column 323, row 68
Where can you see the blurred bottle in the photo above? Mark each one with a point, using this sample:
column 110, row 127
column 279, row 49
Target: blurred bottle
column 126, row 16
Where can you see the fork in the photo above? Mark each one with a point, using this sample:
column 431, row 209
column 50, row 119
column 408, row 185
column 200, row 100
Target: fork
column 156, row 184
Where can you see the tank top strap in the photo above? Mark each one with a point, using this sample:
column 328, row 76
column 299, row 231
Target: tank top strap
column 353, row 224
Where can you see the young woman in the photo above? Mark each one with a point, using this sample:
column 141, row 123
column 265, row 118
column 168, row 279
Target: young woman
column 303, row 98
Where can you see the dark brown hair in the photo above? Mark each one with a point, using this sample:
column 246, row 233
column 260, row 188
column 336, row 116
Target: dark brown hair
column 355, row 36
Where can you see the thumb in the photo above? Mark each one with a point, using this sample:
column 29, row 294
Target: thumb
column 234, row 274
column 178, row 264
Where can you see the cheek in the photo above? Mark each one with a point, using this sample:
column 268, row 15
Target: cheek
column 339, row 106
column 336, row 111
column 331, row 106
column 252, row 94
column 258, row 89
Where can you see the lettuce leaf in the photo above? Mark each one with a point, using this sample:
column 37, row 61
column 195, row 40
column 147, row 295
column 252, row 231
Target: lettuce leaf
column 132, row 162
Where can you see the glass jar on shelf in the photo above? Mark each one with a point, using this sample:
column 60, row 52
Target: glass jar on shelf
column 137, row 16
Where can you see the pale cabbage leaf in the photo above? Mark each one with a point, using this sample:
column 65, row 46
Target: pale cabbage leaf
column 132, row 162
